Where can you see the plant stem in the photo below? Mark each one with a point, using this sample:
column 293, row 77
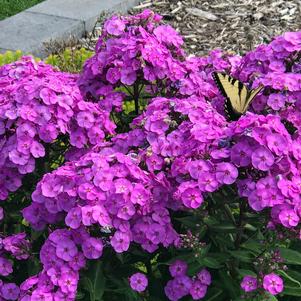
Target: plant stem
column 136, row 98
column 240, row 224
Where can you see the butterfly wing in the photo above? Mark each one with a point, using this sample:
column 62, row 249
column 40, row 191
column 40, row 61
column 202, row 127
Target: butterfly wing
column 251, row 95
column 236, row 93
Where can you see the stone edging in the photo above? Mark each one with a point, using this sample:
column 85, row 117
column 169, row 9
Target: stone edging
column 54, row 20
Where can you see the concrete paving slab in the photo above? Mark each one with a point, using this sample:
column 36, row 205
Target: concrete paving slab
column 83, row 10
column 28, row 31
column 54, row 20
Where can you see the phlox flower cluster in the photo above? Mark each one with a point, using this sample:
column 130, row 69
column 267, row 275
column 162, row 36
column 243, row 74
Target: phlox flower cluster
column 182, row 285
column 38, row 104
column 178, row 140
column 276, row 66
column 106, row 190
column 12, row 247
column 267, row 152
column 138, row 51
column 121, row 192
column 271, row 283
column 63, row 255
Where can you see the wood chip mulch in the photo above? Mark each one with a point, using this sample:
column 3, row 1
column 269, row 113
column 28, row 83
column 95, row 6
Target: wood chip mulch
column 234, row 25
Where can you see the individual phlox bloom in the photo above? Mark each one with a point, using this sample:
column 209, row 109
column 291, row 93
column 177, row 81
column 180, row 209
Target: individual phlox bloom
column 10, row 291
column 249, row 283
column 192, row 198
column 74, row 218
column 6, row 267
column 178, row 268
column 262, row 158
column 85, row 119
column 138, row 282
column 241, row 154
column 198, row 290
column 122, row 186
column 182, row 284
column 68, row 281
column 276, row 101
column 37, row 149
column 226, row 173
column 207, row 182
column 120, row 241
column 87, row 191
column 92, row 248
column 114, row 26
column 197, row 167
column 156, row 233
column 245, row 187
column 39, row 295
column 277, row 144
column 259, row 134
column 204, row 276
column 66, row 249
column 140, row 195
column 289, row 218
column 255, row 201
column 273, row 284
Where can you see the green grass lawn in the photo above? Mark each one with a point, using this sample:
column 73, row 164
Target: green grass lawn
column 12, row 7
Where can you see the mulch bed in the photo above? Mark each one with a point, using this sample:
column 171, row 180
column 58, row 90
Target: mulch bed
column 234, row 25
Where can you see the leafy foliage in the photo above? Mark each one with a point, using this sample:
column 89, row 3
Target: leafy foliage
column 127, row 182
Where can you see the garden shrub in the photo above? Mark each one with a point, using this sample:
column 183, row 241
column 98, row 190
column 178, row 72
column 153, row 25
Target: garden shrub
column 128, row 182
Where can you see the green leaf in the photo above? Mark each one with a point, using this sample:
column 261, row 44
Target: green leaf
column 94, row 282
column 290, row 256
column 243, row 256
column 252, row 245
column 269, row 297
column 292, row 291
column 213, row 295
column 243, row 272
column 209, row 262
column 228, row 227
column 288, row 277
column 229, row 285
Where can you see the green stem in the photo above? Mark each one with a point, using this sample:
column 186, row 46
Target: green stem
column 240, row 224
column 136, row 98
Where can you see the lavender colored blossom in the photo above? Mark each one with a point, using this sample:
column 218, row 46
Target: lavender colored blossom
column 249, row 283
column 178, row 268
column 273, row 284
column 138, row 282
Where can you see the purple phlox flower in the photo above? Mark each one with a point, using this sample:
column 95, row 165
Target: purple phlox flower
column 74, row 217
column 241, row 154
column 207, row 182
column 192, row 197
column 249, row 283
column 226, row 173
column 289, row 218
column 277, row 144
column 6, row 267
column 10, row 291
column 262, row 158
column 66, row 249
column 120, row 241
column 276, row 101
column 138, row 282
column 273, row 284
column 198, row 290
column 178, row 268
column 204, row 276
column 92, row 248
column 114, row 26
column 68, row 281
